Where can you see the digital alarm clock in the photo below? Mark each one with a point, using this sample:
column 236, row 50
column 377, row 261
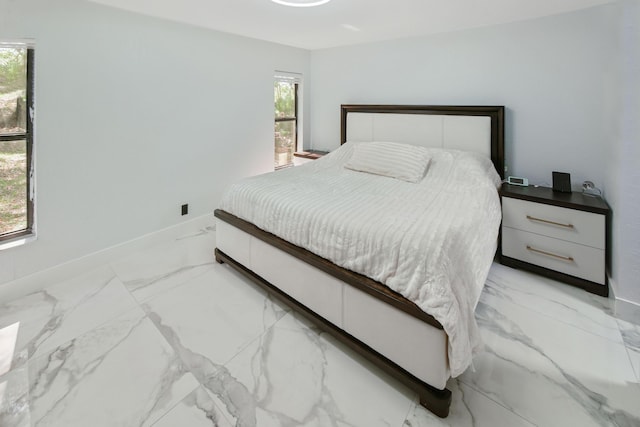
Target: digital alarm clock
column 516, row 180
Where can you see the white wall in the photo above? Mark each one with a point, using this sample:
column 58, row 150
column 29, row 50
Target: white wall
column 560, row 79
column 623, row 172
column 136, row 116
column 547, row 72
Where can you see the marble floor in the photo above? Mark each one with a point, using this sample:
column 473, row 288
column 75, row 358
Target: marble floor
column 167, row 337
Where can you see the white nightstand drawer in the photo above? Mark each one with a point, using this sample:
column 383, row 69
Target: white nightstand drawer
column 581, row 227
column 559, row 255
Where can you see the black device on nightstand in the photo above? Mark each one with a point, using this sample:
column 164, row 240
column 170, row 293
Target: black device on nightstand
column 562, row 182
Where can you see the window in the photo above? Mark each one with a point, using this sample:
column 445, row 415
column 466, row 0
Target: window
column 16, row 140
column 286, row 87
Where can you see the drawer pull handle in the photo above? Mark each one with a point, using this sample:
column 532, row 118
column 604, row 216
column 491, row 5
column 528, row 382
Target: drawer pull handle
column 538, row 251
column 546, row 221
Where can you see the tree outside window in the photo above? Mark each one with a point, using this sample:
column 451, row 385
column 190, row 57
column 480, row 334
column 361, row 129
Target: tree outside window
column 286, row 122
column 16, row 208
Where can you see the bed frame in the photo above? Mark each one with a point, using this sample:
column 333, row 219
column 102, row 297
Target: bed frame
column 364, row 314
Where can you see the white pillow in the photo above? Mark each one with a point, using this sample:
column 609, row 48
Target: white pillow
column 401, row 161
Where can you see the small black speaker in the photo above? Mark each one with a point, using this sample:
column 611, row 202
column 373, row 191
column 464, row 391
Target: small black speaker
column 562, row 182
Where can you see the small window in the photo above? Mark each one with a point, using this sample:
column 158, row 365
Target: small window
column 16, row 140
column 286, row 88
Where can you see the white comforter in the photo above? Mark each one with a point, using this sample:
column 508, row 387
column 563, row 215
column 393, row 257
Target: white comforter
column 433, row 242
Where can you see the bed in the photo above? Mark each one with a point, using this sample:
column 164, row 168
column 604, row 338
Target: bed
column 421, row 334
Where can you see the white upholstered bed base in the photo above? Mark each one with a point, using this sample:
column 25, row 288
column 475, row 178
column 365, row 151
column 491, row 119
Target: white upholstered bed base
column 409, row 342
column 420, row 348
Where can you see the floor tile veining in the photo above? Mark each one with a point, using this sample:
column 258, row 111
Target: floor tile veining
column 167, row 337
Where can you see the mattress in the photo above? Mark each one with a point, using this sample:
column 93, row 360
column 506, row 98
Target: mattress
column 432, row 241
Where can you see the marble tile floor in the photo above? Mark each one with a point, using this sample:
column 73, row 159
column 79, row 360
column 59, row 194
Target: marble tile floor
column 167, row 337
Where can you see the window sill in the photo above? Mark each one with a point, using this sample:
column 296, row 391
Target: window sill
column 17, row 241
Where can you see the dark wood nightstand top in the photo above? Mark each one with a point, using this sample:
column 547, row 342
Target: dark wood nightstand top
column 575, row 200
column 310, row 154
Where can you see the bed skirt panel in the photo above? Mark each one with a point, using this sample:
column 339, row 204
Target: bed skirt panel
column 414, row 345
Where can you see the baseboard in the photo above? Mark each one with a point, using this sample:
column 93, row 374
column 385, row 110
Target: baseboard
column 624, row 309
column 627, row 310
column 613, row 286
column 37, row 281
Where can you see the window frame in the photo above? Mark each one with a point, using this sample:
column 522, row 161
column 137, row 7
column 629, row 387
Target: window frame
column 294, row 118
column 296, row 79
column 28, row 137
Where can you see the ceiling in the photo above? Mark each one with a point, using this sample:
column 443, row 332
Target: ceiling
column 346, row 22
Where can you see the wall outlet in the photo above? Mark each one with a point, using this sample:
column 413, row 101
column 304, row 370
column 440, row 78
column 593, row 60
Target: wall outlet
column 185, row 209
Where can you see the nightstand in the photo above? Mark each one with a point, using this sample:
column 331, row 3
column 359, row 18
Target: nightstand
column 559, row 235
column 301, row 157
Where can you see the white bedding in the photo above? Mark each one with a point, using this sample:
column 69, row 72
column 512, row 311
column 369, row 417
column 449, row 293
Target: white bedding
column 432, row 241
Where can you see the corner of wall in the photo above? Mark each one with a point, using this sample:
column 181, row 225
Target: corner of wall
column 622, row 308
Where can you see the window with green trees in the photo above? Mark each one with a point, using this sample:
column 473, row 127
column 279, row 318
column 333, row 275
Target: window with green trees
column 16, row 140
column 286, row 122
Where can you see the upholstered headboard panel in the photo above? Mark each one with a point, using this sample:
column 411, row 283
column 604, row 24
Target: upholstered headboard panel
column 478, row 128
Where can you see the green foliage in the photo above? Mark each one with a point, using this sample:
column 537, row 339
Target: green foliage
column 285, row 107
column 13, row 157
column 13, row 186
column 13, row 71
column 285, row 99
